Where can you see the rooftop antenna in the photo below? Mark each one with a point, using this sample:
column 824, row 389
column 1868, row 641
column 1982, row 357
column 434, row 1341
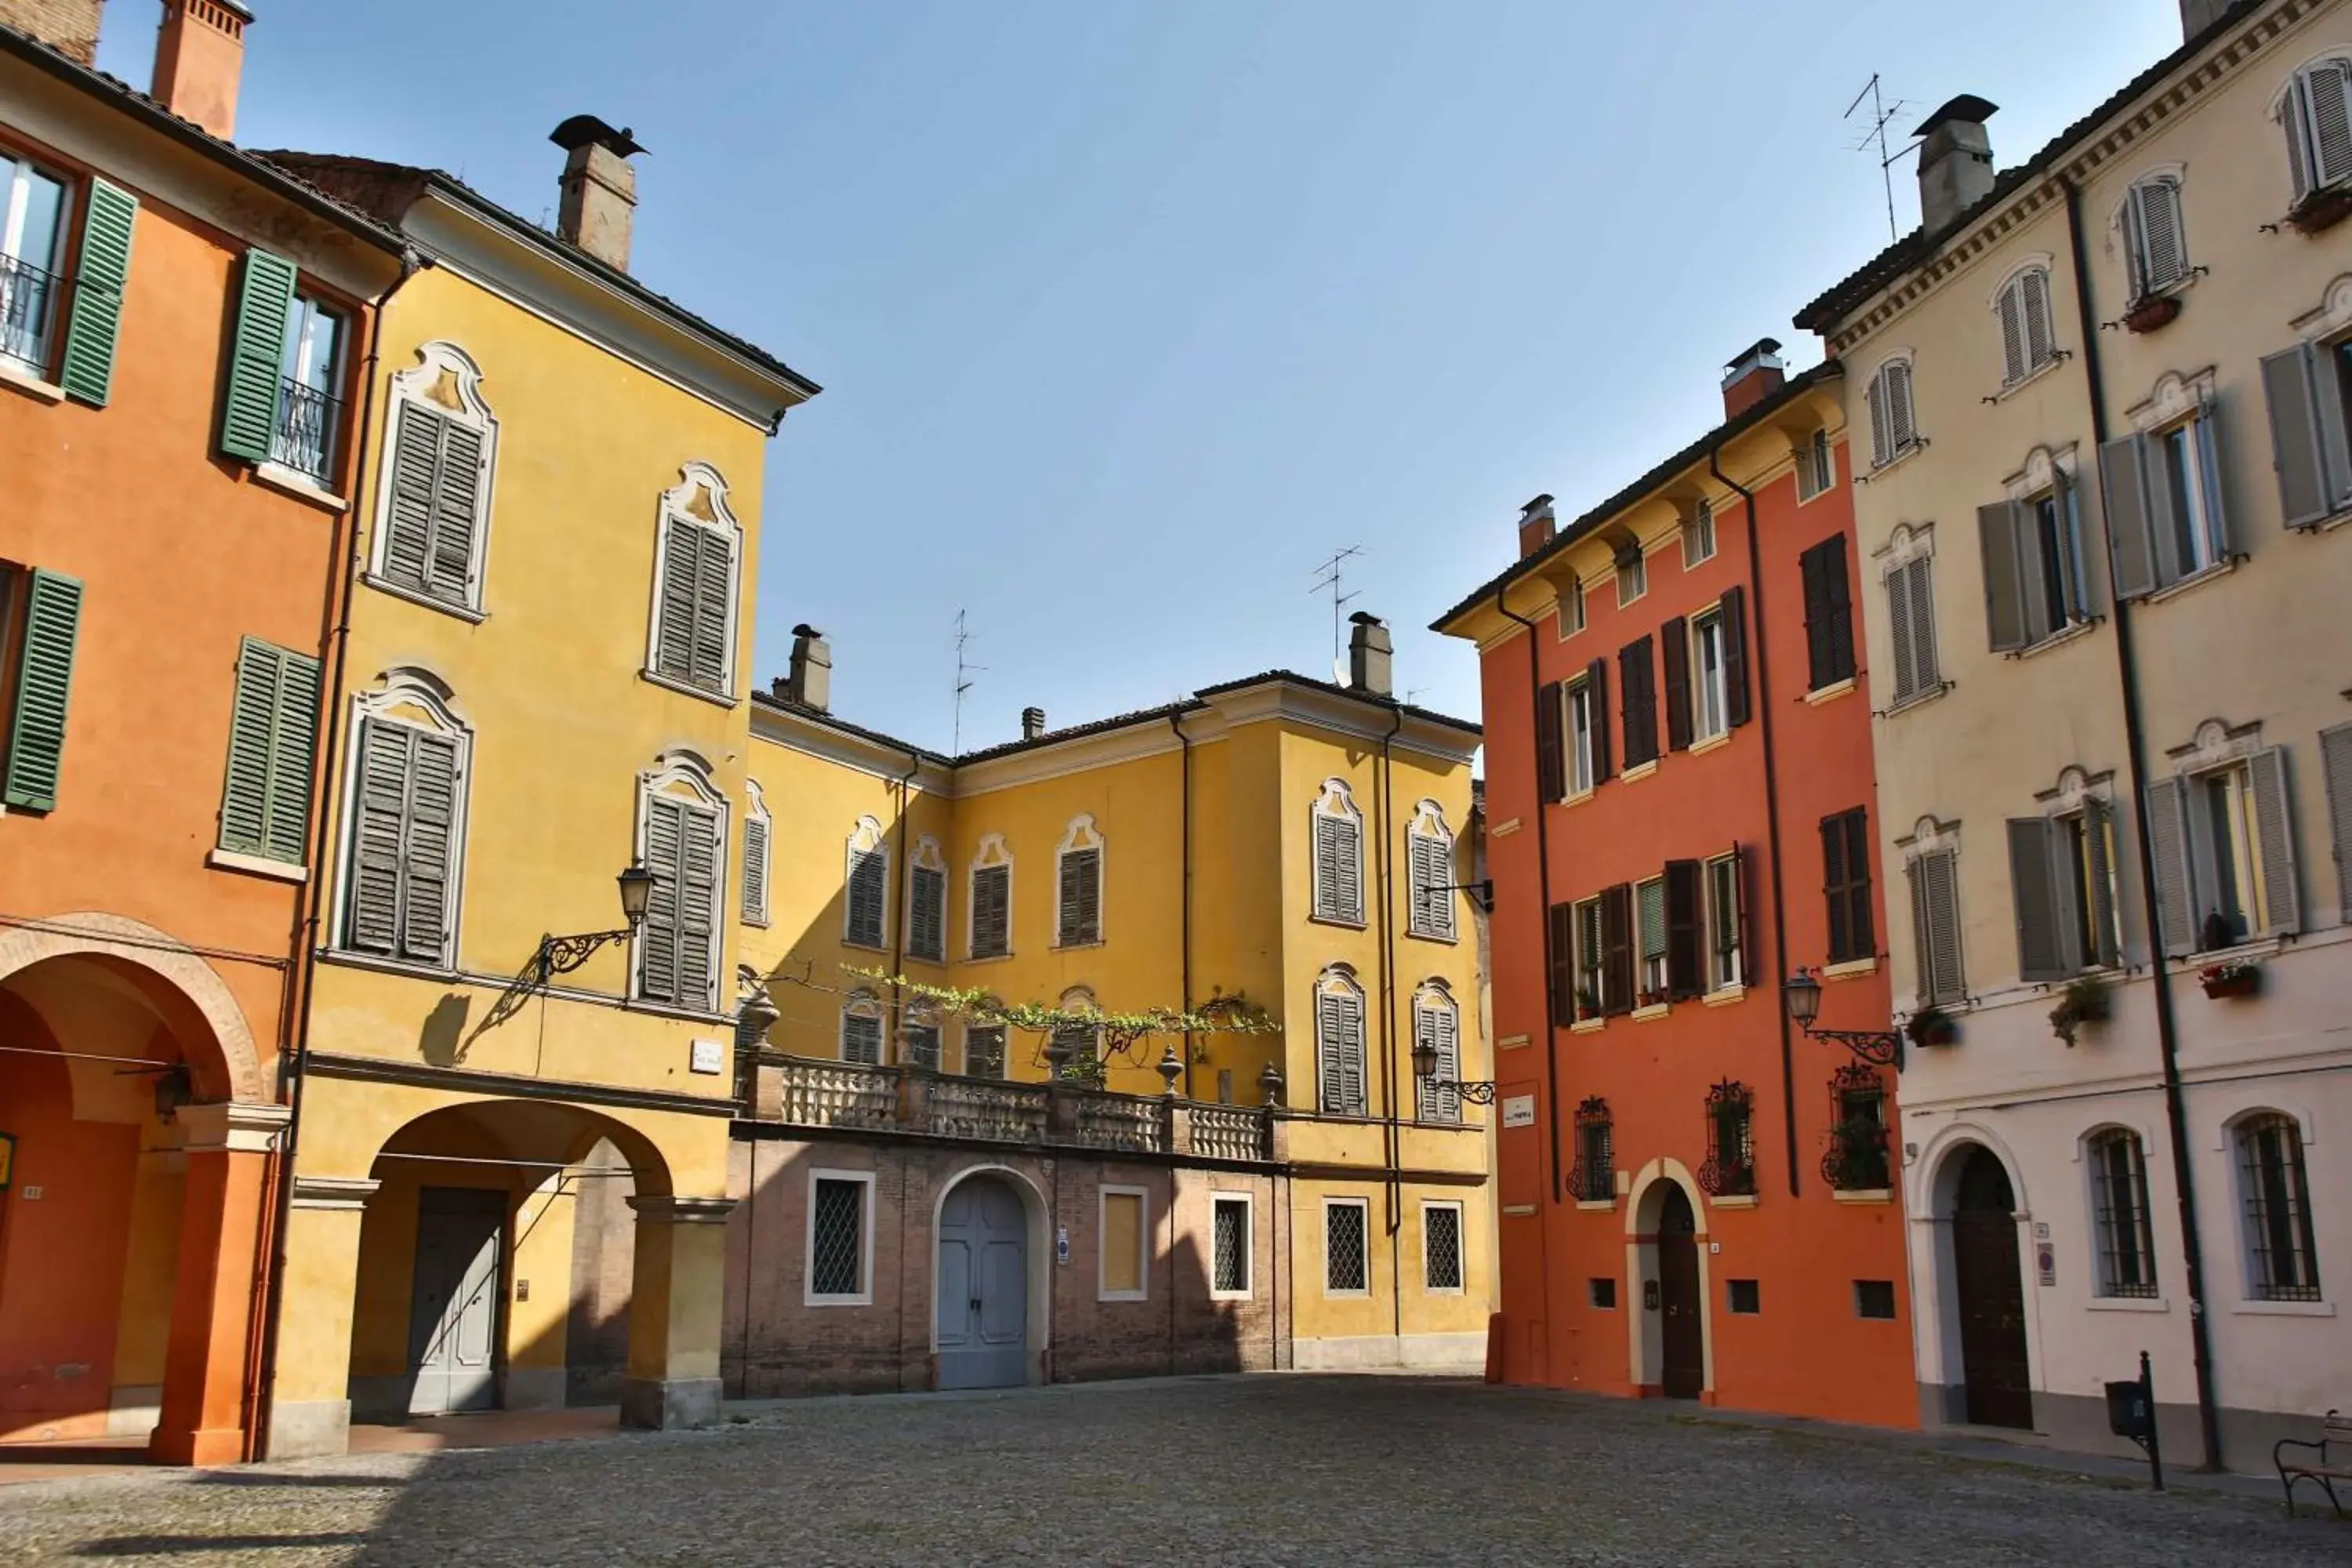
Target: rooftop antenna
column 1327, row 579
column 965, row 670
column 1882, row 114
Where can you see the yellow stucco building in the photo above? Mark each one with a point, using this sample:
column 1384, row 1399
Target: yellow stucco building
column 540, row 681
column 930, row 1198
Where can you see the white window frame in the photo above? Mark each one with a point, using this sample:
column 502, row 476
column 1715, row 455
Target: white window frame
column 990, row 854
column 756, row 810
column 442, row 370
column 2106, row 1286
column 1571, row 608
column 1461, row 1249
column 1142, row 1196
column 2013, row 288
column 1335, row 801
column 2254, row 1291
column 1341, row 979
column 1577, row 697
column 1248, row 1202
column 2295, row 98
column 1428, row 827
column 407, row 686
column 1633, row 569
column 1643, row 959
column 1591, row 958
column 1912, row 546
column 1083, row 835
column 866, row 838
column 1433, row 999
column 2209, row 533
column 699, row 484
column 1711, row 901
column 1891, row 439
column 1710, row 690
column 1816, row 466
column 2131, row 218
column 928, row 857
column 864, row 1295
column 694, row 772
column 1698, row 534
column 1364, row 1209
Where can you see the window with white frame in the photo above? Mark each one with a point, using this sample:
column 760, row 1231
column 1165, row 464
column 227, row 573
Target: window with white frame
column 2062, row 875
column 2037, row 582
column 2163, row 493
column 1698, row 533
column 697, row 554
column 2120, row 1213
column 1910, row 584
column 2156, row 244
column 861, row 1027
column 1725, row 923
column 1571, row 608
column 682, row 836
column 2316, row 113
column 990, row 921
column 758, row 832
column 1340, row 1043
column 433, row 514
column 1649, row 922
column 2274, row 1195
column 1429, row 856
column 1347, row 1247
column 1709, row 676
column 1437, row 1025
column 1632, row 574
column 866, row 885
column 1124, row 1256
column 1894, row 426
column 919, row 1036
column 1587, row 717
column 1932, row 869
column 308, row 417
column 983, row 1049
column 2307, row 390
column 2222, row 837
column 927, row 902
column 1591, row 961
column 1441, row 1248
column 2028, row 342
column 1078, row 866
column 1232, row 1238
column 1337, row 828
column 1816, row 466
column 33, row 209
column 840, row 1261
column 405, row 851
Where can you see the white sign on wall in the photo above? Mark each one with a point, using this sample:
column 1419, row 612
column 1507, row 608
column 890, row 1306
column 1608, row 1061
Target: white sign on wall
column 1519, row 1110
column 709, row 1057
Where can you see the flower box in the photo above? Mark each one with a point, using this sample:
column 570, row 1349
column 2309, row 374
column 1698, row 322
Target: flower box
column 2239, row 979
column 2156, row 311
column 2320, row 211
column 1933, row 1026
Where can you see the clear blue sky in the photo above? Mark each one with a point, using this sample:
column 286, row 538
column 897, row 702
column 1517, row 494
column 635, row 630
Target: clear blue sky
column 1129, row 314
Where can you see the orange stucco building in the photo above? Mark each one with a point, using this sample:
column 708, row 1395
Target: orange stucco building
column 1698, row 1195
column 180, row 328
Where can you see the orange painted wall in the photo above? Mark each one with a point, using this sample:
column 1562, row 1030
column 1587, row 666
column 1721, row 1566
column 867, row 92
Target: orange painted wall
column 1807, row 1351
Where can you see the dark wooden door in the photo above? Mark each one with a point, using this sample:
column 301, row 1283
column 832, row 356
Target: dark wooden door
column 1682, row 1341
column 1991, row 1291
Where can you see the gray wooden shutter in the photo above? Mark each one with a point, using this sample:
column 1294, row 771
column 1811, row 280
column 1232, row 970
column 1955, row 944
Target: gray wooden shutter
column 658, row 936
column 2274, row 831
column 700, row 876
column 415, row 470
column 1081, row 897
column 2168, row 848
column 2131, row 521
column 372, row 918
column 2304, row 449
column 1924, row 659
column 2033, row 292
column 868, row 888
column 1433, row 875
column 861, row 1039
column 428, row 859
column 2100, row 875
column 1901, row 640
column 94, row 328
column 2336, row 762
column 2331, row 121
column 1882, row 448
column 2162, row 252
column 927, row 914
column 1936, row 918
column 2014, row 360
column 681, row 561
column 256, row 354
column 1327, row 867
column 2035, row 871
column 273, row 736
column 755, row 869
column 456, row 499
column 2292, row 116
column 2005, row 575
column 991, row 887
column 37, row 733
column 714, row 556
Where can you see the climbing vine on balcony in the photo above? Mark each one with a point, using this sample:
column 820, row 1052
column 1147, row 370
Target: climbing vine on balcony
column 1121, row 1033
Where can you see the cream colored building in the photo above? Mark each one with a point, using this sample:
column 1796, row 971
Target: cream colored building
column 2104, row 505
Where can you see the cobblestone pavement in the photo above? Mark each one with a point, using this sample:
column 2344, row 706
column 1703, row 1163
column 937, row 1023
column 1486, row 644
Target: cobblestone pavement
column 1241, row 1471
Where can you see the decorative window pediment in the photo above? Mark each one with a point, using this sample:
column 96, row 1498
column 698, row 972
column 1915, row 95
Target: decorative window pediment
column 698, row 567
column 432, row 510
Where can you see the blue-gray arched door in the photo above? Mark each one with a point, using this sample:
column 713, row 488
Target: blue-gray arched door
column 983, row 1287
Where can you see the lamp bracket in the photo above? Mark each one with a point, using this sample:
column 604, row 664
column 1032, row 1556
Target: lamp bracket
column 563, row 954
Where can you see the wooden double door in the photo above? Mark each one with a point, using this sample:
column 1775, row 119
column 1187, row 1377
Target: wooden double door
column 1682, row 1331
column 983, row 1287
column 1989, row 1291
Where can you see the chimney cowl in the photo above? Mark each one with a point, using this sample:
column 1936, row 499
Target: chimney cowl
column 1955, row 160
column 810, row 683
column 1752, row 376
column 1536, row 526
column 1032, row 723
column 1368, row 655
column 599, row 188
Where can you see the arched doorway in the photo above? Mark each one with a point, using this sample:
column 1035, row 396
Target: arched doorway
column 1682, row 1331
column 981, row 1286
column 1989, row 1291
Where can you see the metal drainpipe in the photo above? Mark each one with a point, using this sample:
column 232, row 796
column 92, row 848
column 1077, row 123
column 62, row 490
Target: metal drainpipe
column 1184, row 899
column 906, row 878
column 2175, row 1113
column 260, row 1394
column 1392, row 1131
column 1772, row 805
column 1543, row 893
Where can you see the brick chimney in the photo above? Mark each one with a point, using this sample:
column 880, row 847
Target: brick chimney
column 600, row 189
column 1955, row 160
column 810, row 683
column 69, row 26
column 1752, row 377
column 199, row 58
column 1536, row 526
column 1032, row 723
column 1368, row 656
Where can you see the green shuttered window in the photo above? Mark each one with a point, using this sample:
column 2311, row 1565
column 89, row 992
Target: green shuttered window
column 257, row 349
column 273, row 739
column 95, row 325
column 37, row 726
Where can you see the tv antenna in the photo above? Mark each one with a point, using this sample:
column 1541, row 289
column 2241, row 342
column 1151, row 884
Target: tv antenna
column 1882, row 114
column 965, row 670
column 1328, row 580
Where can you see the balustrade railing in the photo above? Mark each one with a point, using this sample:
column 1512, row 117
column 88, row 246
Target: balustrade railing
column 1232, row 1132
column 978, row 1108
column 834, row 1094
column 1122, row 1121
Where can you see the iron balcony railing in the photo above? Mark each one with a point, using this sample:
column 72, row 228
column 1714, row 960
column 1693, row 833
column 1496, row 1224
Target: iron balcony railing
column 28, row 313
column 307, row 421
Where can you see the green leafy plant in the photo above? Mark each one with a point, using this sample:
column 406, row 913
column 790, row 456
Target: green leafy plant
column 1121, row 1033
column 1931, row 1025
column 2086, row 1000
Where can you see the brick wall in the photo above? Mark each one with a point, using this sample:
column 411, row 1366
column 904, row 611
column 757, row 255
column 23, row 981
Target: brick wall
column 71, row 25
column 603, row 1261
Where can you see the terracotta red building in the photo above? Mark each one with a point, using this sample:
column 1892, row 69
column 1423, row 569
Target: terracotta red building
column 1698, row 1198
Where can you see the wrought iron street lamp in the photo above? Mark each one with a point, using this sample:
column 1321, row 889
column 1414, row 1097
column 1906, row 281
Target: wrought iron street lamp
column 563, row 954
column 1425, row 1067
column 1879, row 1047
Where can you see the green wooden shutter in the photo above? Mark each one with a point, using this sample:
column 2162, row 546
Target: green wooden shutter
column 37, row 737
column 293, row 755
column 95, row 325
column 273, row 736
column 256, row 352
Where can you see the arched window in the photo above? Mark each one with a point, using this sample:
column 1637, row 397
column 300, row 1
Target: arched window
column 2282, row 1258
column 756, row 836
column 861, row 1029
column 1429, row 856
column 2028, row 342
column 697, row 558
column 1339, row 846
column 865, row 900
column 1894, row 428
column 433, row 514
column 2315, row 111
column 927, row 902
column 2154, row 237
column 1437, row 1023
column 1340, row 1043
column 2120, row 1213
column 991, row 933
column 1730, row 1168
column 405, row 838
column 1078, row 862
column 682, row 840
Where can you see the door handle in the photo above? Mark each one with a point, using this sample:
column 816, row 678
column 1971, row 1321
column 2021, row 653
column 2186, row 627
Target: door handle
column 976, row 1303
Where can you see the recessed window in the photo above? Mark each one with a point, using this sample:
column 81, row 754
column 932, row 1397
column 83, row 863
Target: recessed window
column 1571, row 608
column 861, row 1029
column 2119, row 1211
column 919, row 1036
column 1441, row 1248
column 1730, row 1168
column 840, row 1239
column 927, row 903
column 984, row 1050
column 866, row 894
column 1346, row 1255
column 1744, row 1298
column 991, row 935
column 2315, row 113
column 1894, row 429
column 1726, row 917
column 1698, row 534
column 1710, row 690
column 1429, row 846
column 1829, row 613
column 2027, row 340
column 1125, row 1233
column 1338, row 843
column 1650, row 916
column 2157, row 248
column 32, row 231
column 309, row 409
column 2164, row 504
column 1633, row 575
column 1873, row 1298
column 1591, row 959
column 1936, row 926
column 1585, row 720
column 2035, row 582
column 432, row 513
column 1078, row 920
column 1816, row 466
column 1231, row 1241
column 1857, row 1161
column 2224, row 852
column 1594, row 1178
column 1437, row 1025
column 699, row 548
column 1911, row 626
column 407, row 837
column 1845, row 878
column 1339, row 1044
column 2282, row 1259
column 1602, row 1294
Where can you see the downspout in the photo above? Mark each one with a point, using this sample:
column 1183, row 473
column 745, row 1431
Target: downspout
column 1543, row 893
column 905, row 877
column 2167, row 1038
column 1184, row 898
column 1763, row 666
column 1392, row 1131
column 260, row 1393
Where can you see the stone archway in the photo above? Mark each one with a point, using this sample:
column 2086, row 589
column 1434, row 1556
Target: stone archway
column 1667, row 1229
column 184, row 990
column 1035, row 1268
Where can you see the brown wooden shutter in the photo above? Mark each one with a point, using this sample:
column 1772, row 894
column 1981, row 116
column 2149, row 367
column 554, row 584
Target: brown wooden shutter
column 1833, row 887
column 1861, row 923
column 1685, row 931
column 1561, row 964
column 1675, row 645
column 1839, row 594
column 1638, row 678
column 1551, row 759
column 1596, row 679
column 1735, row 654
column 1617, row 948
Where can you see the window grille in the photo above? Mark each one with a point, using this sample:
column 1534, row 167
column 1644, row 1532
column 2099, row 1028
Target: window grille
column 2286, row 1263
column 1231, row 1220
column 836, row 1242
column 1343, row 1247
column 1857, row 1161
column 1593, row 1178
column 1730, row 1168
column 2119, row 1192
column 1440, row 1227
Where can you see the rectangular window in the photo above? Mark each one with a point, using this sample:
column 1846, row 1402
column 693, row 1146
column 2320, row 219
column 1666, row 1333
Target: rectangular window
column 1727, row 960
column 840, row 1239
column 927, row 914
column 430, row 532
column 1602, row 1294
column 404, row 847
column 1584, row 720
column 861, row 1034
column 1594, row 1180
column 1936, row 926
column 1699, row 535
column 922, row 1043
column 2223, row 844
column 273, row 739
column 1441, row 1248
column 1873, row 1298
column 1632, row 576
column 2311, row 438
column 992, row 911
column 1911, row 626
column 1339, row 869
column 2120, row 1200
column 1845, row 879
column 32, row 231
column 1571, row 608
column 2336, row 764
column 693, row 612
column 2281, row 1252
column 1650, row 905
column 677, row 941
column 2034, row 581
column 1637, row 679
column 1857, row 1161
column 1126, row 1243
column 1346, row 1257
column 1745, row 1297
column 1339, row 1049
column 1710, row 696
column 1080, row 920
column 1894, row 430
column 1429, row 859
column 310, row 382
column 984, row 1050
column 2224, row 804
column 1829, row 613
column 755, row 869
column 864, row 916
column 1618, row 948
column 1816, row 466
column 1591, row 961
column 1730, row 1168
column 1232, row 1235
column 1437, row 1025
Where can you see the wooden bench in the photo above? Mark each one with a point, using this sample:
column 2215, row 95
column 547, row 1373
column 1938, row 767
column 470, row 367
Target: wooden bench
column 2331, row 1460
